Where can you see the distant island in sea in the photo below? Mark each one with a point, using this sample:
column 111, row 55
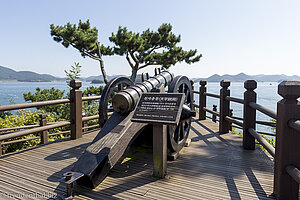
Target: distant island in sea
column 7, row 74
column 241, row 77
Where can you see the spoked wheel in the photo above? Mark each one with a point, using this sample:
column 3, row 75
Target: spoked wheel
column 177, row 135
column 112, row 87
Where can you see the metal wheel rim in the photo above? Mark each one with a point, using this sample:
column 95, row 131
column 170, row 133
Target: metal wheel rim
column 177, row 135
column 114, row 86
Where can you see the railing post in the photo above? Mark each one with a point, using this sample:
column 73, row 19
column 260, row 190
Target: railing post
column 44, row 134
column 230, row 115
column 224, row 107
column 214, row 117
column 202, row 100
column 287, row 140
column 76, row 109
column 193, row 98
column 249, row 114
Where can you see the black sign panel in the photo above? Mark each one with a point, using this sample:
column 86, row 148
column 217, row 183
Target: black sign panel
column 159, row 108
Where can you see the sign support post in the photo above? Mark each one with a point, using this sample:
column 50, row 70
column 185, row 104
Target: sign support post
column 159, row 150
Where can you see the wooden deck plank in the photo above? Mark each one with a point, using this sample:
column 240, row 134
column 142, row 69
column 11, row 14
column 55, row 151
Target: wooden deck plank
column 213, row 167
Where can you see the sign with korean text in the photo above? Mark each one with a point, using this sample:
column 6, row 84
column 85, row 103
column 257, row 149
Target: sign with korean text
column 162, row 108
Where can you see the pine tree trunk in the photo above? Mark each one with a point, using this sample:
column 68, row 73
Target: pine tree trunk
column 133, row 74
column 103, row 71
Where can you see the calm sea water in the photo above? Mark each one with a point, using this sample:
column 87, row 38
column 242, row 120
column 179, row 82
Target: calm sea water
column 15, row 90
column 266, row 93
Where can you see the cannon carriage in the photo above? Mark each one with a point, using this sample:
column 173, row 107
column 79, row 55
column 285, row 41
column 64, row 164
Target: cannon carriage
column 120, row 98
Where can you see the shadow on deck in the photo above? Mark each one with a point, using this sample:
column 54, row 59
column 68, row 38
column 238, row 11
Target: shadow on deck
column 213, row 167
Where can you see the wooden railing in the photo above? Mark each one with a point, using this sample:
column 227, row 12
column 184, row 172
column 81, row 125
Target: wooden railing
column 76, row 121
column 287, row 151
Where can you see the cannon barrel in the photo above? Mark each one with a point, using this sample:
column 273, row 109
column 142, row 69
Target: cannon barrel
column 126, row 100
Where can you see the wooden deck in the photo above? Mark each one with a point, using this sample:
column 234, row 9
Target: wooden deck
column 213, row 167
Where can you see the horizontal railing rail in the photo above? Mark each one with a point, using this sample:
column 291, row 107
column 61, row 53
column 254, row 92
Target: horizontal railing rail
column 271, row 124
column 19, row 127
column 263, row 142
column 84, row 119
column 230, row 119
column 211, row 111
column 237, row 100
column 33, row 104
column 266, row 133
column 211, row 95
column 33, row 130
column 91, row 126
column 90, row 98
column 295, row 124
column 20, row 140
column 263, row 109
column 294, row 172
column 238, row 118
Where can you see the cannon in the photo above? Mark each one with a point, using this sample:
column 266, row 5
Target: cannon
column 120, row 96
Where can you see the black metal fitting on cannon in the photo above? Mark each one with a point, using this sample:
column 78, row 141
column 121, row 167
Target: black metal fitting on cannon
column 187, row 112
column 143, row 76
column 68, row 179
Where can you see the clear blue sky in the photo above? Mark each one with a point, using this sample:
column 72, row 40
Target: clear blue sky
column 255, row 37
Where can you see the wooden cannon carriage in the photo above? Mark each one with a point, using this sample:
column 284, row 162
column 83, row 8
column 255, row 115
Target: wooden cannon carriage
column 118, row 132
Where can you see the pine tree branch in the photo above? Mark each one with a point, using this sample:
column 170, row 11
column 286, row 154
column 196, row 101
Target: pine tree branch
column 154, row 48
column 129, row 61
column 134, row 59
column 82, row 51
column 99, row 50
column 147, row 64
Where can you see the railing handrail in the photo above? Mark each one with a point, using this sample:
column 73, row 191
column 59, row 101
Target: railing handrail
column 294, row 172
column 90, row 98
column 19, row 127
column 211, row 111
column 211, row 95
column 230, row 119
column 33, row 104
column 84, row 119
column 237, row 100
column 43, row 103
column 263, row 109
column 263, row 142
column 295, row 124
column 34, row 130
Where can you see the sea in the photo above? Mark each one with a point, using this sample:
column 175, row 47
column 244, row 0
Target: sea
column 12, row 92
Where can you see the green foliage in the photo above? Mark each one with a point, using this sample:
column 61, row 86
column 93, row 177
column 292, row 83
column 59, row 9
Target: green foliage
column 81, row 37
column 23, row 118
column 4, row 114
column 91, row 108
column 73, row 73
column 84, row 39
column 60, row 111
column 151, row 48
column 92, row 90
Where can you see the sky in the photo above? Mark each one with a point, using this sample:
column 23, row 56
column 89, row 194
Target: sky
column 234, row 36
